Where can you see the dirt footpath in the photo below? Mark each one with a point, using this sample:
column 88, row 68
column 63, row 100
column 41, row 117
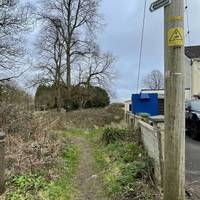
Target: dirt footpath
column 88, row 183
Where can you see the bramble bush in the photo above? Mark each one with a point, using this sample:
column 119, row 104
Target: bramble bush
column 111, row 135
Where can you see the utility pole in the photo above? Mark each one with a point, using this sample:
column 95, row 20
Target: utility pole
column 174, row 157
column 174, row 151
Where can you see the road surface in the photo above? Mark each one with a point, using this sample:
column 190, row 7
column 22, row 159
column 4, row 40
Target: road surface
column 193, row 167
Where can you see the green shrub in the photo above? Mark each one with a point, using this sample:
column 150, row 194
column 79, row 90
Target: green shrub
column 80, row 97
column 36, row 186
column 26, row 187
column 111, row 135
column 98, row 98
column 31, row 182
column 129, row 171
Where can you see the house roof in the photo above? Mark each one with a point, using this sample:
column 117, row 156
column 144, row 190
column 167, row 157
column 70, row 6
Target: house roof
column 128, row 101
column 192, row 51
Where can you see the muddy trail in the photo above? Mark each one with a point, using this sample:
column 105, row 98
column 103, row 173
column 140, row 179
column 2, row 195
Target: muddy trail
column 87, row 181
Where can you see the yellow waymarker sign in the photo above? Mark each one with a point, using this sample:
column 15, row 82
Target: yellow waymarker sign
column 176, row 36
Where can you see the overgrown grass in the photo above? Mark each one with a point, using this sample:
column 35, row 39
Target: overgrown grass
column 32, row 152
column 37, row 186
column 125, row 168
column 128, row 166
column 26, row 186
column 63, row 188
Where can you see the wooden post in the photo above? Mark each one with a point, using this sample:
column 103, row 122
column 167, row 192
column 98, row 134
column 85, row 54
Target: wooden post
column 174, row 156
column 2, row 164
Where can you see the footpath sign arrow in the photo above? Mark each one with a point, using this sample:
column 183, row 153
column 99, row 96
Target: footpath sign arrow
column 159, row 4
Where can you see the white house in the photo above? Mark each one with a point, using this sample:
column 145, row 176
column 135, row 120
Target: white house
column 127, row 105
column 192, row 78
column 192, row 74
column 192, row 69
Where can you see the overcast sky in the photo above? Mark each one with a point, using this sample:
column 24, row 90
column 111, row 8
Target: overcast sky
column 122, row 36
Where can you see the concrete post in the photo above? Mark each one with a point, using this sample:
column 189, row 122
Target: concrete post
column 157, row 121
column 158, row 125
column 2, row 162
column 126, row 116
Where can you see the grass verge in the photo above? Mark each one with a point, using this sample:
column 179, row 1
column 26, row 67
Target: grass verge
column 37, row 186
column 125, row 168
column 63, row 188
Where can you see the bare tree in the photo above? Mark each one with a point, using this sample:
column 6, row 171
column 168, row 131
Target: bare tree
column 12, row 93
column 78, row 21
column 51, row 60
column 96, row 69
column 13, row 20
column 154, row 80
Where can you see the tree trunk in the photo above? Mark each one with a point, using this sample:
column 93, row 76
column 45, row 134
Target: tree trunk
column 58, row 98
column 68, row 70
column 68, row 52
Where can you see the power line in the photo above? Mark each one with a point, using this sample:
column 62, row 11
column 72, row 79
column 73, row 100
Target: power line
column 141, row 45
column 188, row 35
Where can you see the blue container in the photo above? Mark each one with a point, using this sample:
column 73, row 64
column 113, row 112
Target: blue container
column 145, row 103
